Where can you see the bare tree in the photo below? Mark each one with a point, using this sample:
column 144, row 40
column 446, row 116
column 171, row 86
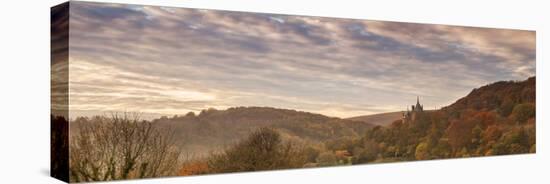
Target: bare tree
column 120, row 147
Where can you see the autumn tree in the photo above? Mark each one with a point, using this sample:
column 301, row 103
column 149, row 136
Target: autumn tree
column 120, row 147
column 311, row 154
column 476, row 136
column 459, row 134
column 327, row 158
column 194, row 168
column 422, row 151
column 491, row 134
column 506, row 107
column 523, row 112
column 369, row 152
column 262, row 150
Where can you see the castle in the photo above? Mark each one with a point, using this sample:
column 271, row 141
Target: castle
column 411, row 115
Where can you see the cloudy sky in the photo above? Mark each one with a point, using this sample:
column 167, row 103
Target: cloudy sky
column 169, row 61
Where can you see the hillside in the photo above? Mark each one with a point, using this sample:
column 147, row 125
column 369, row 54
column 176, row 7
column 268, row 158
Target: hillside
column 500, row 97
column 382, row 119
column 495, row 119
column 215, row 129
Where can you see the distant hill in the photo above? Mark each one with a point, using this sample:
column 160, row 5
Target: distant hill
column 382, row 119
column 213, row 129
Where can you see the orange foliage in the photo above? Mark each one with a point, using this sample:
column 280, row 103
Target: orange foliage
column 487, row 118
column 194, row 168
column 492, row 133
column 459, row 133
column 342, row 153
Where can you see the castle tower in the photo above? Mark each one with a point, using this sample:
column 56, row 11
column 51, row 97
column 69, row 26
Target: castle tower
column 418, row 107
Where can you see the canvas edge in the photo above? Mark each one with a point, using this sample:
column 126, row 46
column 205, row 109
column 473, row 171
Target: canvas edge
column 59, row 98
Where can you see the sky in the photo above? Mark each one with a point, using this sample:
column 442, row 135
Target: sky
column 169, row 61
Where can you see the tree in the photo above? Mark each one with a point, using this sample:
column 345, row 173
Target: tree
column 311, row 154
column 118, row 147
column 190, row 114
column 262, row 150
column 523, row 112
column 327, row 158
column 459, row 134
column 433, row 135
column 491, row 134
column 441, row 149
column 369, row 152
column 476, row 136
column 462, row 153
column 422, row 151
column 506, row 107
column 517, row 141
column 194, row 168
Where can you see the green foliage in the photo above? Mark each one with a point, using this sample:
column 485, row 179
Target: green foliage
column 522, row 112
column 506, row 107
column 442, row 149
column 422, row 151
column 476, row 136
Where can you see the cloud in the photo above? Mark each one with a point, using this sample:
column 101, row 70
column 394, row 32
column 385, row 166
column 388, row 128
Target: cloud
column 59, row 64
column 174, row 60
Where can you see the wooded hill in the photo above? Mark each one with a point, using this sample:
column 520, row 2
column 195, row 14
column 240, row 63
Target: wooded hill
column 213, row 129
column 495, row 119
